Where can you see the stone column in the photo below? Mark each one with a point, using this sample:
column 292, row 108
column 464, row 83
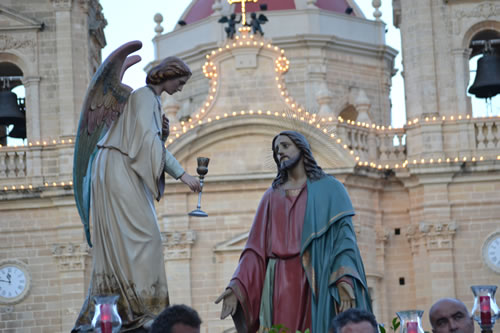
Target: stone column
column 71, row 262
column 177, row 252
column 32, row 87
column 379, row 295
column 64, row 59
column 461, row 59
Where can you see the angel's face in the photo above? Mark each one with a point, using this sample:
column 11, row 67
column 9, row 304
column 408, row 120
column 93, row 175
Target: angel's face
column 174, row 85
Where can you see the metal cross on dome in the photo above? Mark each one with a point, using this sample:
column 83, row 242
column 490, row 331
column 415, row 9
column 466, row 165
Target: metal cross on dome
column 243, row 10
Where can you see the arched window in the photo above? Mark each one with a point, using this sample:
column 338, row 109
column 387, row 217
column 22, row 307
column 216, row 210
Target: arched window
column 12, row 105
column 483, row 107
column 349, row 113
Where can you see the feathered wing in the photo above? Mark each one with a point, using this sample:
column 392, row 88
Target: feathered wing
column 223, row 19
column 104, row 102
column 262, row 19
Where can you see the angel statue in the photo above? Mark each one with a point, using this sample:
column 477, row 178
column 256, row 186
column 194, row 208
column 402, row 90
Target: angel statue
column 231, row 24
column 256, row 23
column 119, row 165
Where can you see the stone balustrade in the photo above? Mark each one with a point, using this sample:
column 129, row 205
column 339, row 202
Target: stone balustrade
column 371, row 144
column 487, row 133
column 385, row 146
column 13, row 163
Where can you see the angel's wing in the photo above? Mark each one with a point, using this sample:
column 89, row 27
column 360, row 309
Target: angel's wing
column 262, row 19
column 106, row 96
column 223, row 19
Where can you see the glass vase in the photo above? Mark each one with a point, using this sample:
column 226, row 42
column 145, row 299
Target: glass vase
column 485, row 310
column 411, row 321
column 106, row 318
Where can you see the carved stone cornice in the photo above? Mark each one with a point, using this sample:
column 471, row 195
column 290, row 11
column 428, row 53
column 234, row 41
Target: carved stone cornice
column 485, row 10
column 434, row 236
column 70, row 257
column 7, row 42
column 62, row 4
column 177, row 244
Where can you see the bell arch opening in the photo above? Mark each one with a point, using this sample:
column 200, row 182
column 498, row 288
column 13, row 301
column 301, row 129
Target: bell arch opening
column 12, row 105
column 484, row 68
column 349, row 113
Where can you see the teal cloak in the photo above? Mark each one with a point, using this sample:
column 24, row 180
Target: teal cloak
column 329, row 251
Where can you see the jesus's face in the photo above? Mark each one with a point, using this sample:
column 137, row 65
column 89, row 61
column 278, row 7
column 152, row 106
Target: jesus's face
column 287, row 152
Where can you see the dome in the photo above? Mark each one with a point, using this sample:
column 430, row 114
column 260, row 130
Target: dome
column 200, row 9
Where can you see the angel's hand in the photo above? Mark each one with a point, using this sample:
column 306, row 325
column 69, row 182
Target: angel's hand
column 165, row 128
column 229, row 304
column 192, row 182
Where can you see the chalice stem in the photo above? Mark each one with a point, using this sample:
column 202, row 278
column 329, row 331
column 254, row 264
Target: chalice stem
column 199, row 194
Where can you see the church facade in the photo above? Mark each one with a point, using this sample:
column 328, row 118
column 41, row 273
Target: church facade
column 426, row 195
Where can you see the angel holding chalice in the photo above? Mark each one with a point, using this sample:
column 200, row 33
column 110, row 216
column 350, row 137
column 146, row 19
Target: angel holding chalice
column 119, row 169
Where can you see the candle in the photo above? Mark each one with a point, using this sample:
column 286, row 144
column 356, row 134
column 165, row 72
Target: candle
column 412, row 327
column 484, row 306
column 106, row 323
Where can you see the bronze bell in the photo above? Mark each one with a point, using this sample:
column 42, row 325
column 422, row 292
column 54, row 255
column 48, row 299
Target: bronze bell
column 487, row 81
column 9, row 109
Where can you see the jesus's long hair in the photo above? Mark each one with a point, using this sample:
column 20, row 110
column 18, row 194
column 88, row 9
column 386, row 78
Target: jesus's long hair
column 313, row 170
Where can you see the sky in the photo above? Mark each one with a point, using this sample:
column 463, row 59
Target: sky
column 133, row 19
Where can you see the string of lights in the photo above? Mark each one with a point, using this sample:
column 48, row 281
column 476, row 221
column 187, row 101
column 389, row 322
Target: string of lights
column 298, row 112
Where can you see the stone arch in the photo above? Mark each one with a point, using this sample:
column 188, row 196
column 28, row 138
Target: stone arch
column 490, row 29
column 14, row 68
column 261, row 129
column 478, row 27
column 349, row 112
column 30, row 80
column 16, row 58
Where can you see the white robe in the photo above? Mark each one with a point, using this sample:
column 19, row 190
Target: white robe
column 127, row 175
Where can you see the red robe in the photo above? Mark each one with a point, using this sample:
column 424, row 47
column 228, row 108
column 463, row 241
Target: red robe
column 276, row 233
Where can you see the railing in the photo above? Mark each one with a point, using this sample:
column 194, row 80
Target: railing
column 13, row 163
column 487, row 133
column 372, row 144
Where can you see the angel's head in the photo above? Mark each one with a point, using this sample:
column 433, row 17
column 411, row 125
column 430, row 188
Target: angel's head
column 171, row 75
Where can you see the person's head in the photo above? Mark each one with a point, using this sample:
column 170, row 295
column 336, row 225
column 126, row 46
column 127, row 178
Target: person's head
column 177, row 319
column 354, row 321
column 253, row 15
column 450, row 315
column 172, row 73
column 291, row 149
column 233, row 16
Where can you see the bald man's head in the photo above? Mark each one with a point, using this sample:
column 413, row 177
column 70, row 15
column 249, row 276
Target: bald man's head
column 450, row 315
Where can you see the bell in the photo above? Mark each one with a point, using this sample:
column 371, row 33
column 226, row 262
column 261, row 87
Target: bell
column 9, row 110
column 19, row 131
column 487, row 82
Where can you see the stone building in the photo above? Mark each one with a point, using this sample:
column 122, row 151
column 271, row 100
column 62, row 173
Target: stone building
column 426, row 195
column 52, row 47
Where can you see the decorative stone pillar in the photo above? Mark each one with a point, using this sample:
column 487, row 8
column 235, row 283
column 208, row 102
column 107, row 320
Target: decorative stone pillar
column 377, row 13
column 432, row 250
column 71, row 260
column 32, row 87
column 158, row 18
column 177, row 252
column 363, row 107
column 461, row 59
column 379, row 293
column 324, row 98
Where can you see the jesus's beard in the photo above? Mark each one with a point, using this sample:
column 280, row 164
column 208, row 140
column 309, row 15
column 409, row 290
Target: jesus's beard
column 290, row 163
